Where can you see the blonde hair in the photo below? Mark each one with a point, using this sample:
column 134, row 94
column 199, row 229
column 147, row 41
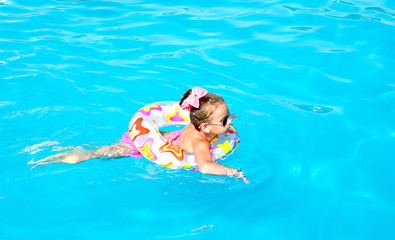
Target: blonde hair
column 207, row 105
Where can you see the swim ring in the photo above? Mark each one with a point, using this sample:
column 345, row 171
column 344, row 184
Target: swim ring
column 144, row 133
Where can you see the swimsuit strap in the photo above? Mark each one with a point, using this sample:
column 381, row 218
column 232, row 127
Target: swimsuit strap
column 203, row 135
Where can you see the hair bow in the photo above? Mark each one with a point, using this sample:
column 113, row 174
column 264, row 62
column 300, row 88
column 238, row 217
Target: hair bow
column 193, row 99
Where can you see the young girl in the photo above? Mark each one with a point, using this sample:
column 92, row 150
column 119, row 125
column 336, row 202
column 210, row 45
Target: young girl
column 209, row 116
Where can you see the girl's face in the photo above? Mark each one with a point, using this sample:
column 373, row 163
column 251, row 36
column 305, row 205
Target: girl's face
column 219, row 117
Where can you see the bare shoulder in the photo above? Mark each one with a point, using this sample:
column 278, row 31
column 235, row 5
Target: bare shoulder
column 201, row 147
column 201, row 144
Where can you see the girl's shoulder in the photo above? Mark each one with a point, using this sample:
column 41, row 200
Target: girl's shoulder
column 190, row 139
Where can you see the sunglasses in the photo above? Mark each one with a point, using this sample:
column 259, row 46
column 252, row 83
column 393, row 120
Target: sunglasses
column 224, row 121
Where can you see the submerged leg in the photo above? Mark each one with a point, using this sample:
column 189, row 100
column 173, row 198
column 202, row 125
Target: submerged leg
column 116, row 150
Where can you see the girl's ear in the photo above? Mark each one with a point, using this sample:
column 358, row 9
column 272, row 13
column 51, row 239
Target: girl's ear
column 207, row 130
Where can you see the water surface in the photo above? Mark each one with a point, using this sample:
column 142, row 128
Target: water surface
column 312, row 84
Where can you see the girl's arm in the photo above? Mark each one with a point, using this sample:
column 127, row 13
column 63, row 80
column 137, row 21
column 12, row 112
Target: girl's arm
column 205, row 166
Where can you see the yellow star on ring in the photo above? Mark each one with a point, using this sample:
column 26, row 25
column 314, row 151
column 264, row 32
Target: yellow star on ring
column 187, row 165
column 169, row 165
column 145, row 150
column 226, row 147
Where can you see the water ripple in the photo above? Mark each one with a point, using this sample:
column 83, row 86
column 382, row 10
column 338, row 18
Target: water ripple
column 40, row 111
column 267, row 60
column 6, row 103
column 128, row 26
column 344, row 2
column 38, row 147
column 353, row 16
column 381, row 10
column 307, row 10
column 338, row 10
column 245, row 14
column 314, row 108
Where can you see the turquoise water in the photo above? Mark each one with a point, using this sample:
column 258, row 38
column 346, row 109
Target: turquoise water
column 312, row 84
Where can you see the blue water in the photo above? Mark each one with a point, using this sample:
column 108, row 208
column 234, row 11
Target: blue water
column 312, row 84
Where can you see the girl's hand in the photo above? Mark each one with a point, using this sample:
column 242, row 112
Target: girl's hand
column 235, row 172
column 240, row 174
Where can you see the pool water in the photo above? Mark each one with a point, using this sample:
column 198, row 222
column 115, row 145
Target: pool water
column 312, row 84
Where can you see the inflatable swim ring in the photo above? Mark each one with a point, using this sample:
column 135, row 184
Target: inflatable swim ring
column 144, row 133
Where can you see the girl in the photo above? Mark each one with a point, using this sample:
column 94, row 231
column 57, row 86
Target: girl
column 209, row 116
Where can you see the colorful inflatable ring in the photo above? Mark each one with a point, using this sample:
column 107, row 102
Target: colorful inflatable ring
column 144, row 133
